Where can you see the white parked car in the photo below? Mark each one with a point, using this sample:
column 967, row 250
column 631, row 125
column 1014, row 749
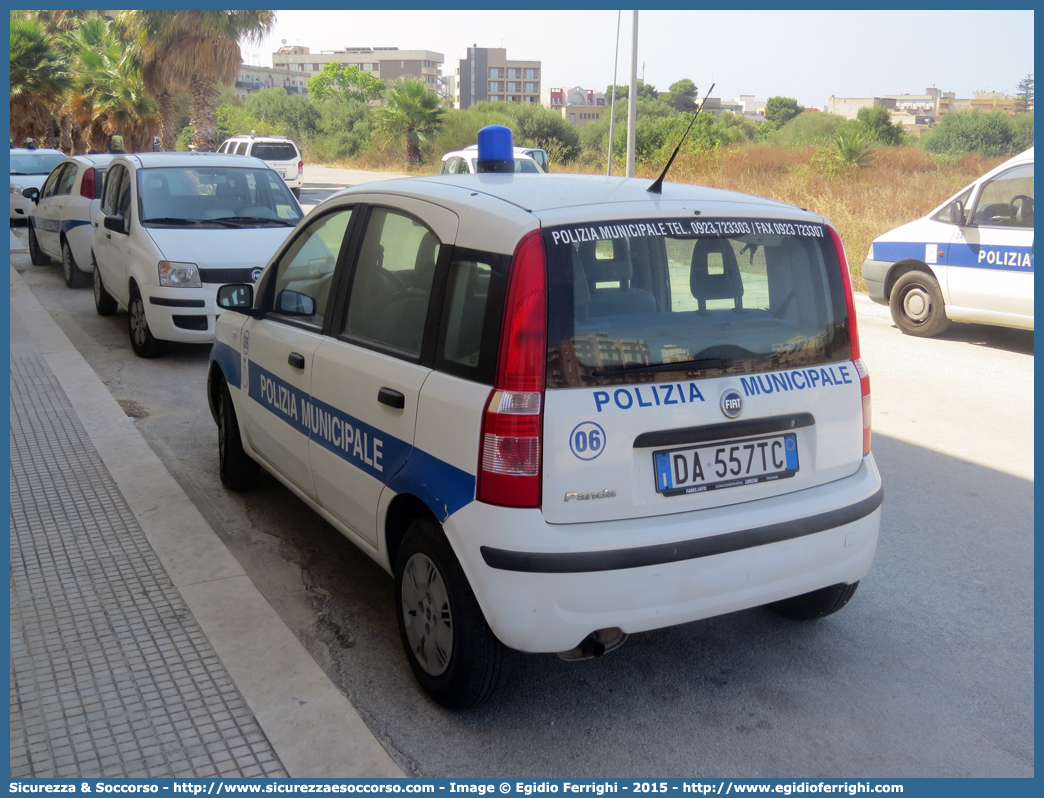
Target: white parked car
column 970, row 260
column 559, row 411
column 278, row 152
column 172, row 227
column 60, row 216
column 29, row 169
column 465, row 162
column 538, row 154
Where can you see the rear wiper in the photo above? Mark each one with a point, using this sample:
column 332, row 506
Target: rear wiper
column 684, row 365
column 170, row 220
column 239, row 221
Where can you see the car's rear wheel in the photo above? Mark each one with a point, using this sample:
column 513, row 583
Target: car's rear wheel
column 917, row 305
column 74, row 278
column 817, row 604
column 36, row 255
column 238, row 471
column 103, row 300
column 451, row 649
column 143, row 342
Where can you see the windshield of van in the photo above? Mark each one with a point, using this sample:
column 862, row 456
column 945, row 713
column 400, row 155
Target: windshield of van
column 651, row 300
column 208, row 196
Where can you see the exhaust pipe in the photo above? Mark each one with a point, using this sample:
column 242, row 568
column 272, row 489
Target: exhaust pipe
column 595, row 645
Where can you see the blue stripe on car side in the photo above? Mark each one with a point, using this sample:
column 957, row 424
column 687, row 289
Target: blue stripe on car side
column 444, row 488
column 979, row 256
column 228, row 359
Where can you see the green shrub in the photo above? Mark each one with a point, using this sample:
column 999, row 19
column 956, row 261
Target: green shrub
column 988, row 134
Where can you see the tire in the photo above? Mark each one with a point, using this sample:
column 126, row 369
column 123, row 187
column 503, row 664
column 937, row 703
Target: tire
column 450, row 647
column 238, row 471
column 74, row 278
column 296, row 192
column 143, row 342
column 36, row 255
column 817, row 604
column 917, row 305
column 103, row 301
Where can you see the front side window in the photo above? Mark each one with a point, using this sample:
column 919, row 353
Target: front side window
column 1007, row 200
column 715, row 296
column 388, row 300
column 304, row 274
column 113, row 179
column 215, row 196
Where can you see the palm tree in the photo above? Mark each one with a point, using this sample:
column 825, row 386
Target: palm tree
column 39, row 77
column 410, row 112
column 197, row 49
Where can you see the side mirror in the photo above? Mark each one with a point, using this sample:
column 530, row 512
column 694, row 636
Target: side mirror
column 238, row 297
column 115, row 223
column 32, row 193
column 957, row 212
column 294, row 303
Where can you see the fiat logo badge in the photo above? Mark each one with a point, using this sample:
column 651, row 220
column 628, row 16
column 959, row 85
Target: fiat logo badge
column 255, row 274
column 732, row 403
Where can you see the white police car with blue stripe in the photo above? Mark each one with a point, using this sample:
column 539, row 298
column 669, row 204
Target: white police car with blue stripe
column 969, row 260
column 560, row 410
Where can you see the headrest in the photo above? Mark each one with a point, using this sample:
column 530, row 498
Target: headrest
column 603, row 270
column 726, row 284
column 424, row 266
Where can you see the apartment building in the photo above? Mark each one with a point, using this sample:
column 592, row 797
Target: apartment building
column 577, row 105
column 918, row 112
column 386, row 63
column 251, row 79
column 485, row 73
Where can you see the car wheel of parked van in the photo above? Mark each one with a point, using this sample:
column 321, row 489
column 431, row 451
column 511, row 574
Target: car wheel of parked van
column 36, row 255
column 917, row 305
column 451, row 649
column 817, row 604
column 237, row 470
column 142, row 340
column 296, row 192
column 103, row 301
column 74, row 278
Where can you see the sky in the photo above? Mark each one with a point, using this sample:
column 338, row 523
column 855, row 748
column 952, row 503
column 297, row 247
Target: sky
column 807, row 55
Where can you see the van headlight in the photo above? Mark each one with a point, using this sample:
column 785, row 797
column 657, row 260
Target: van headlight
column 179, row 275
column 16, row 189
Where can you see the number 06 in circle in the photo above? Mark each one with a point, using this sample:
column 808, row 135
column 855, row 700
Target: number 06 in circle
column 587, row 440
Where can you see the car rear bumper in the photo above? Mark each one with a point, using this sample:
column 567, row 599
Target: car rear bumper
column 874, row 274
column 186, row 315
column 544, row 588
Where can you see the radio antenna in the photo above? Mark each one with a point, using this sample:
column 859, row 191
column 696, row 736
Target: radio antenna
column 657, row 187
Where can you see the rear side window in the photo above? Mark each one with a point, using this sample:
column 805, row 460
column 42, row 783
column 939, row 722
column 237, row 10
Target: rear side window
column 714, row 296
column 271, row 151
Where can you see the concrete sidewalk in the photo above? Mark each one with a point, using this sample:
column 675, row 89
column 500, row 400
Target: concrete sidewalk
column 139, row 646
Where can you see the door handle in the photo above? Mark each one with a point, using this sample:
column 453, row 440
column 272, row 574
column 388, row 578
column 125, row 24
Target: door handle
column 386, row 396
column 296, row 360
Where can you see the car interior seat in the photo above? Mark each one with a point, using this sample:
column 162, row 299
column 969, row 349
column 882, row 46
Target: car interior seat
column 706, row 284
column 619, row 299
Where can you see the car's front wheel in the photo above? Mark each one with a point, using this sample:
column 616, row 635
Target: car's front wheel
column 451, row 649
column 103, row 300
column 74, row 278
column 237, row 470
column 143, row 342
column 817, row 604
column 36, row 255
column 917, row 305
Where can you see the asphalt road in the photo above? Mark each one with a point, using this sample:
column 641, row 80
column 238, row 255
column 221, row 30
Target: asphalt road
column 927, row 672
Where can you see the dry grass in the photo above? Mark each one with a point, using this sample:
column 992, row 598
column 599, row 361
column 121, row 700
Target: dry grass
column 901, row 184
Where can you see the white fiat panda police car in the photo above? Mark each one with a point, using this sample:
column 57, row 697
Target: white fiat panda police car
column 559, row 411
column 969, row 260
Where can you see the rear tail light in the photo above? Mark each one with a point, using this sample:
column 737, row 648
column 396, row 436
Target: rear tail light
column 509, row 454
column 87, row 184
column 300, row 168
column 853, row 337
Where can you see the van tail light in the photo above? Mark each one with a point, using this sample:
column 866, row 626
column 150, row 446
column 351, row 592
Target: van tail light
column 300, row 168
column 853, row 337
column 87, row 184
column 512, row 426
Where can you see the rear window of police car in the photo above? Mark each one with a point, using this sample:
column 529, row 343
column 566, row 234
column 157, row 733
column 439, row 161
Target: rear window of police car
column 268, row 151
column 725, row 296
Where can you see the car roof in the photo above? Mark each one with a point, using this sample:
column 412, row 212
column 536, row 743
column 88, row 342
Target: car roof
column 148, row 160
column 515, row 148
column 37, row 151
column 259, row 138
column 94, row 158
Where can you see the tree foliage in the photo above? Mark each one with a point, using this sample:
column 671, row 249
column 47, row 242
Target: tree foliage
column 1024, row 93
column 345, row 83
column 781, row 110
column 646, row 90
column 988, row 134
column 411, row 114
column 682, row 96
column 877, row 122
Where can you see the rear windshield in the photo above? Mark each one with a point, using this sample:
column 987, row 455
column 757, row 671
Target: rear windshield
column 268, row 151
column 650, row 300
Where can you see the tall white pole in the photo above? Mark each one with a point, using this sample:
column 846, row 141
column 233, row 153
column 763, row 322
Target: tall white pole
column 612, row 104
column 632, row 98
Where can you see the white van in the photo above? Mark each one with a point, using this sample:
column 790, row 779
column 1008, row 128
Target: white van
column 278, row 152
column 970, row 260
